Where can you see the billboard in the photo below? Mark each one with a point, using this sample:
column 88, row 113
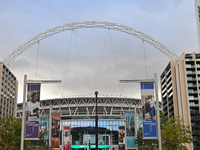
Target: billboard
column 32, row 112
column 148, row 108
column 130, row 130
column 55, row 130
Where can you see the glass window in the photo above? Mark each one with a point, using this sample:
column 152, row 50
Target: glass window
column 100, row 123
column 72, row 123
column 82, row 124
column 75, row 123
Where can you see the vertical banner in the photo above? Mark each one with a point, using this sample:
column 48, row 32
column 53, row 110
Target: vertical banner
column 121, row 137
column 139, row 122
column 66, row 139
column 148, row 108
column 44, row 130
column 55, row 130
column 130, row 130
column 32, row 112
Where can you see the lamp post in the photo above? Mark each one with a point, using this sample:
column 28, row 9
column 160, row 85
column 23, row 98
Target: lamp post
column 96, row 120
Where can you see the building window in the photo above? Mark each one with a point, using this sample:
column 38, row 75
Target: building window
column 189, row 71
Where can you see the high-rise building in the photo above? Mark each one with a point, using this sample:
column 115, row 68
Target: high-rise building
column 180, row 90
column 197, row 9
column 9, row 89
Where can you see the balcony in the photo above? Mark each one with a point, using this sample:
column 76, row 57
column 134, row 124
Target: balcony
column 194, row 112
column 171, row 113
column 169, row 90
column 163, row 91
column 170, row 102
column 190, row 66
column 193, row 118
column 168, row 73
column 164, row 102
column 171, row 108
column 191, row 72
column 164, row 84
column 192, row 85
column 191, row 79
column 165, row 113
column 164, row 95
column 188, row 59
column 194, row 105
column 192, row 91
column 193, row 98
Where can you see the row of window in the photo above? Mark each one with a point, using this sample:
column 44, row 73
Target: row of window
column 6, row 72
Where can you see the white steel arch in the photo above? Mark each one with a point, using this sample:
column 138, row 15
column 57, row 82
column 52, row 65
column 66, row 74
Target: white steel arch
column 89, row 24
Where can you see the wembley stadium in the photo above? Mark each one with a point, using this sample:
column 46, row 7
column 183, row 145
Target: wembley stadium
column 79, row 113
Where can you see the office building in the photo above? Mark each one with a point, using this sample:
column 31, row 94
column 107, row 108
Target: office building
column 180, row 89
column 9, row 89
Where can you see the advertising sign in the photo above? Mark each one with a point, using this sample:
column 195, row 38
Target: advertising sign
column 55, row 130
column 121, row 137
column 149, row 128
column 43, row 128
column 148, row 108
column 66, row 138
column 130, row 142
column 139, row 122
column 32, row 112
column 130, row 130
column 32, row 130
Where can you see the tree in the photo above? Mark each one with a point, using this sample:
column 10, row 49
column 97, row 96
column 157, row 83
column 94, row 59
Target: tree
column 175, row 134
column 10, row 133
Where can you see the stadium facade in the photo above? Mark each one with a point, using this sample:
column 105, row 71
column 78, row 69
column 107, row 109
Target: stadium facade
column 79, row 114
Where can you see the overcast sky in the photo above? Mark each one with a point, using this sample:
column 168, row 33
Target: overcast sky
column 87, row 60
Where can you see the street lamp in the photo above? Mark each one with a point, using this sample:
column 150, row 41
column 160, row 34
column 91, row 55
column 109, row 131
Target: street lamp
column 96, row 120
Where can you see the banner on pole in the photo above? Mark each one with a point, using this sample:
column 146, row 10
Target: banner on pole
column 66, row 138
column 32, row 130
column 32, row 112
column 130, row 130
column 148, row 108
column 139, row 122
column 43, row 128
column 121, row 133
column 55, row 130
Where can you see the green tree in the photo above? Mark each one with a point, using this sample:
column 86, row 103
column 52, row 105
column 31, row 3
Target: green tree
column 10, row 133
column 175, row 134
column 163, row 120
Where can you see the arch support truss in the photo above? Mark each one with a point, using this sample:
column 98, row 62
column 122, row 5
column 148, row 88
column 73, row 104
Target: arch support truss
column 89, row 24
